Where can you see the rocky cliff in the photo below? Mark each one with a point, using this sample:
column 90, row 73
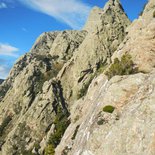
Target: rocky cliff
column 73, row 93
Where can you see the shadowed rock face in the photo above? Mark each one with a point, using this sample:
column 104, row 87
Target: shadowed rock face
column 48, row 82
column 1, row 81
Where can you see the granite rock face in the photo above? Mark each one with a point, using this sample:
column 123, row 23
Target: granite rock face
column 128, row 130
column 106, row 30
column 31, row 94
column 61, row 75
column 140, row 41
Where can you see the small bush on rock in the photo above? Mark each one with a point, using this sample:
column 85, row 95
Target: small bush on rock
column 109, row 109
column 49, row 150
column 100, row 122
column 61, row 123
column 25, row 152
column 123, row 67
column 83, row 91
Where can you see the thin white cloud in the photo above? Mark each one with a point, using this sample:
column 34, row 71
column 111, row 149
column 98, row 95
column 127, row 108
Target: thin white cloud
column 3, row 5
column 4, row 71
column 24, row 29
column 72, row 12
column 8, row 50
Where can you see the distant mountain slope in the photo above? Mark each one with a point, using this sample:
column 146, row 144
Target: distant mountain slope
column 1, row 81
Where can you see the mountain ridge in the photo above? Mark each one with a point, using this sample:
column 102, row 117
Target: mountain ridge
column 53, row 100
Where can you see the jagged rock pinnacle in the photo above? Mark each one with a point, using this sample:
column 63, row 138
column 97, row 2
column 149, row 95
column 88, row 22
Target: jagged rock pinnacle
column 115, row 4
column 114, row 1
column 112, row 9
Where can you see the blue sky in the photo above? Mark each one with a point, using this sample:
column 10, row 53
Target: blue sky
column 22, row 21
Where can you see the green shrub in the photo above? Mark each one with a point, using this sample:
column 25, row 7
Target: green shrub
column 25, row 152
column 101, row 66
column 4, row 124
column 76, row 118
column 83, row 91
column 109, row 109
column 123, row 67
column 154, row 14
column 101, row 122
column 49, row 150
column 61, row 123
column 36, row 146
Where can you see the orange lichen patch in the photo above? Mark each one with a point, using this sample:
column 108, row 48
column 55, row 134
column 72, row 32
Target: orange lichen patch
column 125, row 98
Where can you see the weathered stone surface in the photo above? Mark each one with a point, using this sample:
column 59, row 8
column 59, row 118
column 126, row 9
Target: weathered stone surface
column 62, row 64
column 28, row 95
column 99, row 17
column 140, row 41
column 128, row 130
column 106, row 30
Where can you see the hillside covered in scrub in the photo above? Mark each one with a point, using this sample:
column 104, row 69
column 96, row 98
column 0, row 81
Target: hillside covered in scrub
column 88, row 92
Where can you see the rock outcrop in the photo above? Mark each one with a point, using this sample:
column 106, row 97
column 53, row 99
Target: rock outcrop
column 140, row 41
column 54, row 99
column 31, row 95
column 128, row 130
column 106, row 30
column 1, row 81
